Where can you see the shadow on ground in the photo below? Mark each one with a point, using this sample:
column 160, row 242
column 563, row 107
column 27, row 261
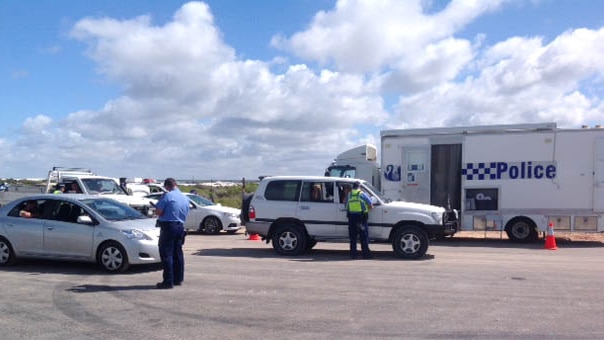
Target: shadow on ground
column 38, row 267
column 314, row 255
column 496, row 242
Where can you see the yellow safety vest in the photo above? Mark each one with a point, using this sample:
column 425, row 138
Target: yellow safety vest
column 356, row 203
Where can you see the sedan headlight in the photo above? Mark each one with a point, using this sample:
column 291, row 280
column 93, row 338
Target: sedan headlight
column 135, row 234
column 437, row 217
column 231, row 215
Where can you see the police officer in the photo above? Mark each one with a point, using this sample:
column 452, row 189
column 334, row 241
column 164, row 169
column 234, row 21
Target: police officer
column 357, row 206
column 172, row 209
column 60, row 188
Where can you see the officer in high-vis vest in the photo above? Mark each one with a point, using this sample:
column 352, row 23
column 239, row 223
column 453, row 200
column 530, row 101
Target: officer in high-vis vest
column 358, row 205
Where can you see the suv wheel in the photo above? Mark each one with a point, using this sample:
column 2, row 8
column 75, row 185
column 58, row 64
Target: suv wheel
column 289, row 240
column 410, row 242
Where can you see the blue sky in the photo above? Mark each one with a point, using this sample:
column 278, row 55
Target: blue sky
column 230, row 89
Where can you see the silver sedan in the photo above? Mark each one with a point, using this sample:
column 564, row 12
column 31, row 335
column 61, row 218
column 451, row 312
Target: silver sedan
column 77, row 227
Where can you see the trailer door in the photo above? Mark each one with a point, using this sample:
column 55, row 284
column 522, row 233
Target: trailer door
column 416, row 174
column 445, row 180
column 599, row 175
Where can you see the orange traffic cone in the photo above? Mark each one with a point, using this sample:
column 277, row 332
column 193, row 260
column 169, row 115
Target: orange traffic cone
column 550, row 240
column 254, row 237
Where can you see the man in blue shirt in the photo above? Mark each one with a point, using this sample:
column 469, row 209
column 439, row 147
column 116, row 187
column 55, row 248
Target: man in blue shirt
column 172, row 209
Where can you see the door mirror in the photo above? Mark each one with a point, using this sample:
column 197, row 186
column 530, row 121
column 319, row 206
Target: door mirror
column 84, row 219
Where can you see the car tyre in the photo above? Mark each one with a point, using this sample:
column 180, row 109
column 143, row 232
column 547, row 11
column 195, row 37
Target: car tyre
column 289, row 240
column 410, row 242
column 112, row 257
column 7, row 254
column 211, row 225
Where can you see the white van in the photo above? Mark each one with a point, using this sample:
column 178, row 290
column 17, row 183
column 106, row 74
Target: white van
column 283, row 211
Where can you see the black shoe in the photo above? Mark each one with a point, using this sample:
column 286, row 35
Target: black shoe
column 178, row 283
column 162, row 285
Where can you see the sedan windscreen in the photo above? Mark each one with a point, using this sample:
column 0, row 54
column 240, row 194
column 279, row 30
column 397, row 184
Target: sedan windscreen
column 113, row 210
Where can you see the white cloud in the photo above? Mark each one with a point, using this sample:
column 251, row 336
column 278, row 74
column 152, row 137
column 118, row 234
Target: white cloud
column 192, row 108
column 188, row 97
column 518, row 80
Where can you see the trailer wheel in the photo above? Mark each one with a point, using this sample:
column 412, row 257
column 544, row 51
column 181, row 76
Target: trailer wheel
column 521, row 229
column 410, row 242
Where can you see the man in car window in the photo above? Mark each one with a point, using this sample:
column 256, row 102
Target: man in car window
column 172, row 209
column 30, row 210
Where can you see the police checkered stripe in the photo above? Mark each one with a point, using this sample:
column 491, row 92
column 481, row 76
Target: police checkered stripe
column 480, row 171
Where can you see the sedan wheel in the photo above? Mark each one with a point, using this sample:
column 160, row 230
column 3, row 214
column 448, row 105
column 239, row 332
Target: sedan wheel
column 212, row 225
column 7, row 255
column 113, row 258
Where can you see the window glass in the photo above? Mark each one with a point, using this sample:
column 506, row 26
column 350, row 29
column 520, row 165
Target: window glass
column 317, row 192
column 29, row 209
column 286, row 190
column 66, row 212
column 416, row 161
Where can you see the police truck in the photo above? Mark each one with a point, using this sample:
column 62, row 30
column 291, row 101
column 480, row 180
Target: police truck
column 516, row 179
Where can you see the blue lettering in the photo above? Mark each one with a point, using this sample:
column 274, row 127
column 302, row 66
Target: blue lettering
column 539, row 171
column 501, row 168
column 513, row 172
column 550, row 171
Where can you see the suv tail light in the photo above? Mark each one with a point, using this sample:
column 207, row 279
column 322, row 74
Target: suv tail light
column 251, row 213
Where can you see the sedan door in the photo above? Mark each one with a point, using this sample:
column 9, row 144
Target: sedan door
column 25, row 234
column 64, row 237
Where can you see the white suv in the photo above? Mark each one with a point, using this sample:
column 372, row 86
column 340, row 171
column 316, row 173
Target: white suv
column 283, row 211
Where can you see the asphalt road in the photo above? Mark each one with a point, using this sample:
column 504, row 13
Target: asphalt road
column 240, row 289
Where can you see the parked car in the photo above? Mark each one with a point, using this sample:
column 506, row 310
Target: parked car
column 208, row 217
column 283, row 211
column 77, row 227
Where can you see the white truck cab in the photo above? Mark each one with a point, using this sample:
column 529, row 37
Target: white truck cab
column 84, row 181
column 283, row 211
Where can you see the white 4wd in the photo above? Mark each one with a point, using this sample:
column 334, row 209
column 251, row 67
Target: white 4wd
column 89, row 183
column 283, row 211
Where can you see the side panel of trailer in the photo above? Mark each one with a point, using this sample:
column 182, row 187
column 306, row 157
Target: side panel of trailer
column 501, row 179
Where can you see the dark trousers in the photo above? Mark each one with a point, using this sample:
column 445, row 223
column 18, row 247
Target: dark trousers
column 354, row 220
column 170, row 250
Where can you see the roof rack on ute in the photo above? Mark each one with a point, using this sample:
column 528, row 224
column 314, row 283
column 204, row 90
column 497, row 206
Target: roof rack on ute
column 57, row 173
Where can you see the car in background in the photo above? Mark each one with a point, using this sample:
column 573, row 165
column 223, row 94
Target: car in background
column 77, row 227
column 208, row 217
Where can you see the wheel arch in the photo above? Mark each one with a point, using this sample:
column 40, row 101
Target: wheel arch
column 405, row 224
column 284, row 221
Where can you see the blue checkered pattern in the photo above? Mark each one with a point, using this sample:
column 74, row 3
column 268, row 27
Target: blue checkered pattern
column 480, row 171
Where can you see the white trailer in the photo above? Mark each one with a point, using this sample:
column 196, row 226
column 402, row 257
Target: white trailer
column 512, row 178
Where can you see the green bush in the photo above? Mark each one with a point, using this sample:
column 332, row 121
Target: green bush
column 229, row 196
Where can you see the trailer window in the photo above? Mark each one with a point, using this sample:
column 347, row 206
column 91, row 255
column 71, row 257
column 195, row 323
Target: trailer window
column 482, row 199
column 416, row 161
